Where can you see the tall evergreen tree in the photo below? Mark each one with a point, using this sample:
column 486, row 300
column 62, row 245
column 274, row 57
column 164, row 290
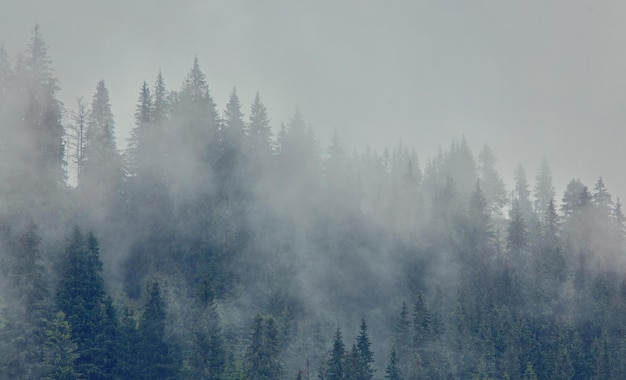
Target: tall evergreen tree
column 60, row 351
column 141, row 140
column 334, row 367
column 491, row 182
column 259, row 131
column 81, row 296
column 102, row 170
column 392, row 371
column 543, row 191
column 24, row 317
column 365, row 363
column 263, row 361
column 157, row 359
column 517, row 239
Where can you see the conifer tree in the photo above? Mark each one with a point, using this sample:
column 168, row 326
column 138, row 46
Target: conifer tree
column 543, row 191
column 157, row 359
column 334, row 367
column 27, row 309
column 365, row 356
column 102, row 169
column 60, row 351
column 142, row 137
column 392, row 371
column 259, row 131
column 81, row 296
column 491, row 182
column 516, row 238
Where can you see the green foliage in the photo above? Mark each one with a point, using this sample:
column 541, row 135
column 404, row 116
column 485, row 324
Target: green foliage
column 157, row 359
column 263, row 355
column 392, row 371
column 82, row 297
column 60, row 351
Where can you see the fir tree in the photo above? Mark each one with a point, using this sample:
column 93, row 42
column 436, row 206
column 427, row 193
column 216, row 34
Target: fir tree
column 157, row 359
column 82, row 297
column 60, row 351
column 392, row 371
column 24, row 318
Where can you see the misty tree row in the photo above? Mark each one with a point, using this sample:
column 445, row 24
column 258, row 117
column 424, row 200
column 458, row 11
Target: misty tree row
column 226, row 251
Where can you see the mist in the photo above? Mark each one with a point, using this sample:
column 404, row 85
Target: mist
column 249, row 193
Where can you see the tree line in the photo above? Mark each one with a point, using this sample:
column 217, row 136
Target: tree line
column 213, row 247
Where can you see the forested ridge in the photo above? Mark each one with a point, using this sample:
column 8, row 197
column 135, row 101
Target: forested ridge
column 219, row 245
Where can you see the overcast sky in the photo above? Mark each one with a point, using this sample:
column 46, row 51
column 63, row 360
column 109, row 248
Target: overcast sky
column 530, row 78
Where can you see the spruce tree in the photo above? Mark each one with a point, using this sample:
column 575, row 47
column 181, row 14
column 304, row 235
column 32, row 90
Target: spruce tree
column 491, row 182
column 27, row 305
column 365, row 369
column 392, row 371
column 157, row 359
column 334, row 367
column 81, row 296
column 60, row 351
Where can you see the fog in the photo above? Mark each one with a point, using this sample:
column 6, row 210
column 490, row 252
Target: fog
column 531, row 79
column 245, row 180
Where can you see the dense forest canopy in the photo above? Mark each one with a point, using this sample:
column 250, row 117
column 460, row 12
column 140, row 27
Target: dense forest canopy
column 220, row 244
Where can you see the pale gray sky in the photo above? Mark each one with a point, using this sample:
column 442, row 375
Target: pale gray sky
column 530, row 78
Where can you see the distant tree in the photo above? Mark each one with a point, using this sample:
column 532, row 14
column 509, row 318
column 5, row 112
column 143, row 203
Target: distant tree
column 157, row 359
column 35, row 141
column 491, row 182
column 60, row 351
column 480, row 232
column 576, row 196
column 529, row 373
column 259, row 131
column 263, row 361
column 128, row 345
column 77, row 131
column 82, row 297
column 232, row 152
column 392, row 371
column 421, row 323
column 102, row 169
column 517, row 239
column 334, row 367
column 544, row 190
column 602, row 202
column 142, row 139
column 196, row 119
column 24, row 316
column 208, row 354
column 522, row 194
column 363, row 366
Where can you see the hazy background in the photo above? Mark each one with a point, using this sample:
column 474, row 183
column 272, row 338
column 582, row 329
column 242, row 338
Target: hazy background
column 529, row 78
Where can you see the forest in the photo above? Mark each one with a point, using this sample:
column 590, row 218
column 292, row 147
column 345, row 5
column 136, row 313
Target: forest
column 216, row 245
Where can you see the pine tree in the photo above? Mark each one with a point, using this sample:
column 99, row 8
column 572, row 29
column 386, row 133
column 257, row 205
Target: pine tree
column 263, row 361
column 491, row 182
column 208, row 354
column 102, row 169
column 82, row 297
column 522, row 194
column 141, row 139
column 334, row 367
column 544, row 190
column 421, row 323
column 24, row 317
column 392, row 371
column 128, row 346
column 259, row 131
column 516, row 239
column 60, row 351
column 365, row 355
column 157, row 359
